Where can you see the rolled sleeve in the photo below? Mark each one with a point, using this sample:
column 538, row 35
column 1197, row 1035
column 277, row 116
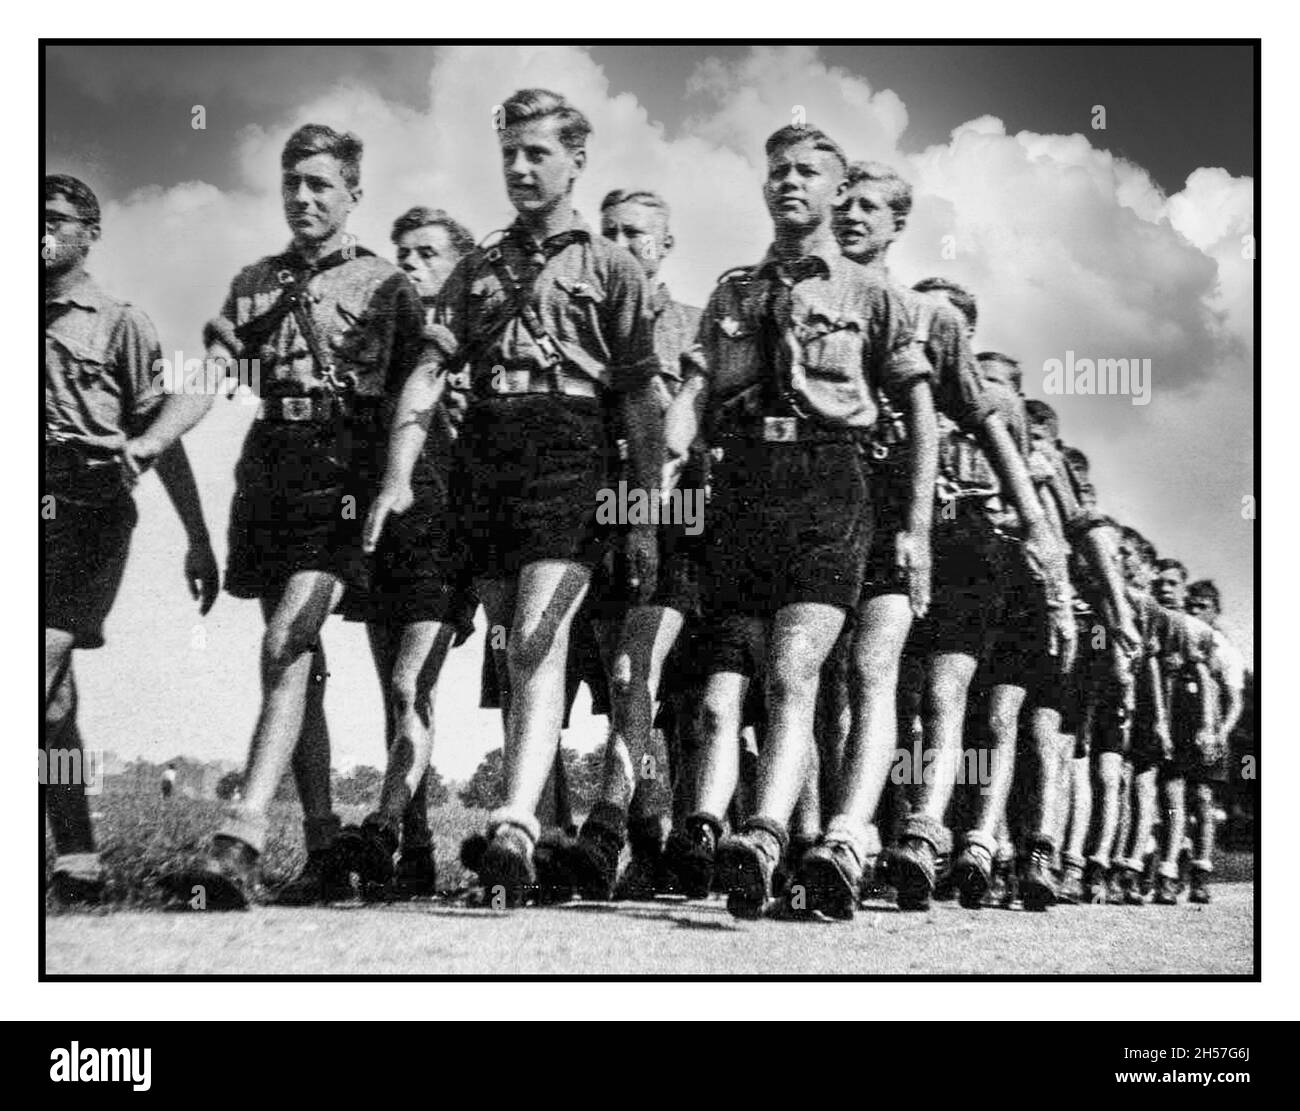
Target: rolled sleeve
column 448, row 324
column 959, row 391
column 137, row 352
column 629, row 326
column 899, row 358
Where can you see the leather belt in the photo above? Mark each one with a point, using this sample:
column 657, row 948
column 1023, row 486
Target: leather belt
column 500, row 382
column 311, row 410
column 795, row 430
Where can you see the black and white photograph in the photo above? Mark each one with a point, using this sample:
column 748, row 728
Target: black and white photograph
column 609, row 508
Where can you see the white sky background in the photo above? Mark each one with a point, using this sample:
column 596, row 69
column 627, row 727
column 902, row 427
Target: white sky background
column 1066, row 247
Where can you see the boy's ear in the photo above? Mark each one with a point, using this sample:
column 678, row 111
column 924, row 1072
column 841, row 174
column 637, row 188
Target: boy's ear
column 580, row 159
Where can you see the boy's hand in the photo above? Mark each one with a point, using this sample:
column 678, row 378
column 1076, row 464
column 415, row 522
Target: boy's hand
column 202, row 575
column 393, row 497
column 914, row 558
column 642, row 547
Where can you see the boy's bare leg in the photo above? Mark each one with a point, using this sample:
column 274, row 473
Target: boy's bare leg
column 803, row 635
column 632, row 765
column 973, row 871
column 925, row 837
column 77, row 868
column 289, row 647
column 546, row 600
column 709, row 782
column 1175, row 792
column 832, row 872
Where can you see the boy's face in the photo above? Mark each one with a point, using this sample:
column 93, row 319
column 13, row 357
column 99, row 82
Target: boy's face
column 539, row 169
column 641, row 229
column 803, row 183
column 863, row 221
column 427, row 257
column 1042, row 435
column 1134, row 565
column 1171, row 588
column 317, row 201
column 66, row 238
column 1202, row 606
column 942, row 296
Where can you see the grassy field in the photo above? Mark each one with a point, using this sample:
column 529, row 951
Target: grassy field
column 143, row 836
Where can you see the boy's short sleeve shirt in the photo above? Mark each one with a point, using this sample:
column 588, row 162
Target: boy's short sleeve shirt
column 851, row 331
column 590, row 295
column 99, row 369
column 675, row 328
column 959, row 392
column 366, row 314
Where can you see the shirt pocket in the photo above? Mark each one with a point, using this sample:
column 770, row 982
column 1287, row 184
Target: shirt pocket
column 578, row 305
column 86, row 364
column 831, row 343
column 360, row 347
column 734, row 351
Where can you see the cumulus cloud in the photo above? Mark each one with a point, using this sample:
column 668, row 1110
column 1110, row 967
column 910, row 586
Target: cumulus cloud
column 1067, row 246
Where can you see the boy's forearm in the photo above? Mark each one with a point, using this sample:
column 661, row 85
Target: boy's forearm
column 923, row 436
column 179, row 413
column 178, row 480
column 1101, row 555
column 1011, row 470
column 684, row 416
column 415, row 409
column 643, row 418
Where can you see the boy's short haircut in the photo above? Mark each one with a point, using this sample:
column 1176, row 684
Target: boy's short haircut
column 319, row 138
column 79, row 194
column 899, row 195
column 636, row 196
column 527, row 105
column 1012, row 365
column 791, row 135
column 1140, row 542
column 962, row 299
column 1076, row 460
column 1205, row 588
column 1040, row 414
column 421, row 216
column 1172, row 565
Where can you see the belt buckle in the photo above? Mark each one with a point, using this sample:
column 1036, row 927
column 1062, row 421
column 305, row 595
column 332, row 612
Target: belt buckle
column 511, row 381
column 296, row 408
column 780, row 430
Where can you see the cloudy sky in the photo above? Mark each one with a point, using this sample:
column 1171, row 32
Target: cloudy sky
column 1117, row 242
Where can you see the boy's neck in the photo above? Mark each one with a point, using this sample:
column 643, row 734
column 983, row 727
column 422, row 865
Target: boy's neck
column 55, row 285
column 545, row 223
column 798, row 242
column 313, row 250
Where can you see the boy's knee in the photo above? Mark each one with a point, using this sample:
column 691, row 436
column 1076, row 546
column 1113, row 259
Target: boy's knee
column 283, row 644
column 526, row 654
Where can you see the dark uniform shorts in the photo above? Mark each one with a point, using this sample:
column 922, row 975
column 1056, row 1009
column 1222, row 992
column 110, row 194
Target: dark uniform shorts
column 788, row 523
column 681, row 555
column 965, row 593
column 302, row 492
column 1021, row 649
column 417, row 570
column 1185, row 714
column 890, row 495
column 535, row 465
column 84, row 557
